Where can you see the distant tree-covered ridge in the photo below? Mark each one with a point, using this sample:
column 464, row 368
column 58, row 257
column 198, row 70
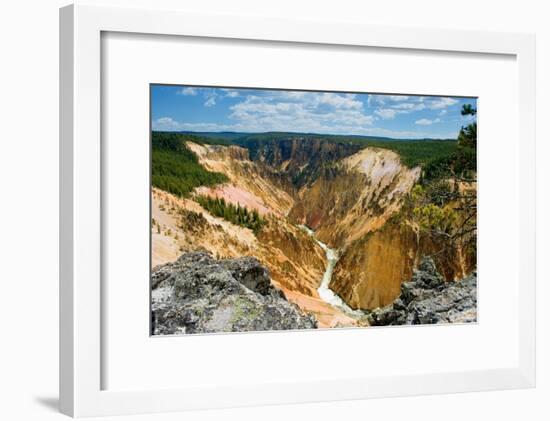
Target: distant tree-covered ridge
column 236, row 214
column 413, row 152
column 438, row 157
column 176, row 169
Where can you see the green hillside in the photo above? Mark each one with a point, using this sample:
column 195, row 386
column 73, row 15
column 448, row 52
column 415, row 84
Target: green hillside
column 176, row 169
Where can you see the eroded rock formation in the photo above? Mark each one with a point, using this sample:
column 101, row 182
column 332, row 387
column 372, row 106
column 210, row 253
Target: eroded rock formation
column 355, row 196
column 301, row 158
column 199, row 294
column 428, row 299
column 370, row 272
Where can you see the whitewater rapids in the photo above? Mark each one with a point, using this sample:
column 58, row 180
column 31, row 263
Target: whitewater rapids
column 325, row 293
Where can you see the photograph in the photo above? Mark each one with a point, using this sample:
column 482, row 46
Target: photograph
column 280, row 209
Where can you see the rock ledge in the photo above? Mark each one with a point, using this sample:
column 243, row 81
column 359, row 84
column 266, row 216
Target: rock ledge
column 199, row 294
column 428, row 299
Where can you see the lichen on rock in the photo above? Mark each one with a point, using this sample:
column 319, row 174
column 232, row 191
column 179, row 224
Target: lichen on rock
column 199, row 294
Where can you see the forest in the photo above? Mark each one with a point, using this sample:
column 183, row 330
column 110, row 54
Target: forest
column 176, row 169
column 413, row 152
column 235, row 214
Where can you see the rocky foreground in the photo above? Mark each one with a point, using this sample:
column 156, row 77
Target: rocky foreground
column 428, row 299
column 199, row 294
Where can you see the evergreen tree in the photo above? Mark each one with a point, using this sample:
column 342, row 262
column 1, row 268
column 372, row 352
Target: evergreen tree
column 467, row 136
column 236, row 214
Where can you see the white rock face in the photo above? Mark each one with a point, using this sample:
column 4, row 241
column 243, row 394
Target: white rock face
column 384, row 170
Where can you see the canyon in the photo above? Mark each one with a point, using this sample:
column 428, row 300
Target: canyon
column 335, row 240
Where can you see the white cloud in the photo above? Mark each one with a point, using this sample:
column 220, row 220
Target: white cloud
column 443, row 112
column 468, row 118
column 211, row 97
column 345, row 101
column 440, row 103
column 376, row 100
column 409, row 107
column 169, row 124
column 426, row 122
column 423, row 122
column 409, row 104
column 385, row 99
column 314, row 112
column 165, row 123
column 292, row 94
column 301, row 111
column 386, row 113
column 410, row 134
column 230, row 93
column 398, row 98
column 389, row 106
column 188, row 91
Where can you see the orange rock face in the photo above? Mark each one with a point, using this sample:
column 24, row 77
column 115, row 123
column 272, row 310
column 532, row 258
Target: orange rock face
column 370, row 273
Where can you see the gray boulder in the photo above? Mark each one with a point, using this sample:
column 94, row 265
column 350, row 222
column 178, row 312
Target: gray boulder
column 199, row 294
column 428, row 299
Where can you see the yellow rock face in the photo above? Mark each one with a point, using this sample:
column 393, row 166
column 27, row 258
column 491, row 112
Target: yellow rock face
column 370, row 272
column 355, row 197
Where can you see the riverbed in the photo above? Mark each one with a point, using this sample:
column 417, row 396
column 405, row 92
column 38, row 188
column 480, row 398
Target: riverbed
column 324, row 291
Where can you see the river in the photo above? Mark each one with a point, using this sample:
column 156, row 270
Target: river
column 325, row 293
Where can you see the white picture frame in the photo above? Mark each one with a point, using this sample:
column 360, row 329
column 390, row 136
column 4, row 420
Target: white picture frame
column 81, row 181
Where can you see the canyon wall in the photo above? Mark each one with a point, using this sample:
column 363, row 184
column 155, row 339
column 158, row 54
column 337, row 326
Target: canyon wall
column 301, row 159
column 295, row 261
column 354, row 196
column 252, row 184
column 351, row 206
column 349, row 196
column 370, row 272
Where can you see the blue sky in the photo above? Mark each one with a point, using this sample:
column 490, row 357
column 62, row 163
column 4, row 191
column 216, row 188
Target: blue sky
column 176, row 108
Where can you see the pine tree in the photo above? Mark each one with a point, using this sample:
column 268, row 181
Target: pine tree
column 467, row 137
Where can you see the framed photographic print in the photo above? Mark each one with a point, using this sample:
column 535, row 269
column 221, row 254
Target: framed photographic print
column 310, row 216
column 237, row 190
